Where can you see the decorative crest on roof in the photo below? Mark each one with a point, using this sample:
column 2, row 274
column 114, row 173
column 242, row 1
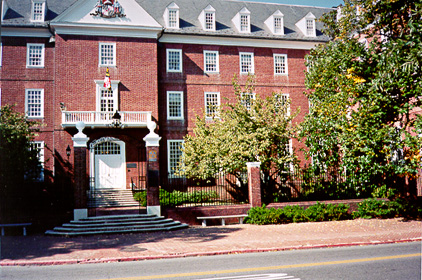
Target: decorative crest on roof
column 108, row 9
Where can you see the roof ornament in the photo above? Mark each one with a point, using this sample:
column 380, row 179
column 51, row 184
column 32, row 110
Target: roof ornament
column 108, row 9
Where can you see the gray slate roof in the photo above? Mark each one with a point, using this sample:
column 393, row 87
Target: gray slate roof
column 227, row 9
column 19, row 13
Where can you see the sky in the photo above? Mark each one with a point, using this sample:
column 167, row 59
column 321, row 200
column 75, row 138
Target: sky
column 317, row 3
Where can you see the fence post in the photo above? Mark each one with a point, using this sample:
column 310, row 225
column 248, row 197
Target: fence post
column 80, row 141
column 153, row 174
column 254, row 183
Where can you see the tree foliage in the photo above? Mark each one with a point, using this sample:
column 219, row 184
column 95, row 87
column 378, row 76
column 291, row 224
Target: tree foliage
column 364, row 85
column 248, row 130
column 18, row 161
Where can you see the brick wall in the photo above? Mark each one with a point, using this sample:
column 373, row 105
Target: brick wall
column 194, row 82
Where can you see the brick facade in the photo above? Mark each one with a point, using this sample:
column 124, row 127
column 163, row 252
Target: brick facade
column 72, row 73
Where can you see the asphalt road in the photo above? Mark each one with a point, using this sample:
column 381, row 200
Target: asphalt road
column 391, row 261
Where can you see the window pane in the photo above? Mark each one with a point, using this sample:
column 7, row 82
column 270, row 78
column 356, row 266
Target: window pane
column 277, row 25
column 173, row 18
column 34, row 103
column 209, row 21
column 211, row 62
column 246, row 63
column 173, row 60
column 247, row 99
column 174, row 154
column 38, row 12
column 244, row 23
column 107, row 54
column 280, row 64
column 106, row 101
column 175, row 105
column 212, row 103
column 35, row 54
column 309, row 27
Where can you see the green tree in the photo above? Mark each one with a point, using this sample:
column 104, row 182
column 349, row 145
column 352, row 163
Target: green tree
column 18, row 160
column 364, row 85
column 249, row 130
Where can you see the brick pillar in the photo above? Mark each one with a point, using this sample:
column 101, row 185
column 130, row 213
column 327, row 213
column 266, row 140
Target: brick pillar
column 153, row 173
column 80, row 185
column 254, row 183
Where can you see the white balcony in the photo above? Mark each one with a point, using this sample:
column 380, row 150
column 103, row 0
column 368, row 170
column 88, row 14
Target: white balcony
column 104, row 119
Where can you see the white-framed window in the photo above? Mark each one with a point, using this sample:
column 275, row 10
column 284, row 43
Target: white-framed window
column 244, row 23
column 107, row 101
column 246, row 63
column 107, row 54
column 209, row 21
column 174, row 154
column 39, row 147
column 212, row 104
column 211, row 62
column 173, row 19
column 38, row 10
column 278, row 25
column 35, row 55
column 284, row 98
column 34, row 103
column 310, row 27
column 174, row 60
column 247, row 99
column 171, row 16
column 280, row 64
column 175, row 105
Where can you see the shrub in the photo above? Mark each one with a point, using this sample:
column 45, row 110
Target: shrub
column 373, row 208
column 327, row 212
column 296, row 214
column 141, row 197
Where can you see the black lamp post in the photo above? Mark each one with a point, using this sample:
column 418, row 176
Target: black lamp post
column 68, row 150
column 116, row 120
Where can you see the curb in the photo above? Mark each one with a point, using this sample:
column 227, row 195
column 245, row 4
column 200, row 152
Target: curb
column 215, row 253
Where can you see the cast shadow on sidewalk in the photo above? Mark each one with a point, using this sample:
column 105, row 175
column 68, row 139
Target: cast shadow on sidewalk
column 38, row 246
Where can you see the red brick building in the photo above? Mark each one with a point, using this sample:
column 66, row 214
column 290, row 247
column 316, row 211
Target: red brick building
column 167, row 60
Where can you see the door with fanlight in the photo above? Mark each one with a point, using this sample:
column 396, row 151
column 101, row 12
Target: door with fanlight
column 109, row 165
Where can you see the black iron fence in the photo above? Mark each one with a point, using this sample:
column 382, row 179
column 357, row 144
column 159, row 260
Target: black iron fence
column 223, row 189
column 308, row 184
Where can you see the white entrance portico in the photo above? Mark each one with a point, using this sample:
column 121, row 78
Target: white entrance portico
column 107, row 163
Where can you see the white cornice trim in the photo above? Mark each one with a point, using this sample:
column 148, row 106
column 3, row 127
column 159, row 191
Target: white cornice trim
column 240, row 42
column 25, row 32
column 103, row 30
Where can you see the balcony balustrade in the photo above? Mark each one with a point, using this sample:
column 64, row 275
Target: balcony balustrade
column 104, row 119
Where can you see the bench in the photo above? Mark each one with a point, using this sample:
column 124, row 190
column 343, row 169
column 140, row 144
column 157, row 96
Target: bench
column 23, row 225
column 223, row 218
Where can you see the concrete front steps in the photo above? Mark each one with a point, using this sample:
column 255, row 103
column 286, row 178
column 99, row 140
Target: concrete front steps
column 111, row 198
column 116, row 224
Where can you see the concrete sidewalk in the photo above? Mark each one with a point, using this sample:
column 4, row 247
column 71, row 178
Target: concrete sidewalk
column 199, row 241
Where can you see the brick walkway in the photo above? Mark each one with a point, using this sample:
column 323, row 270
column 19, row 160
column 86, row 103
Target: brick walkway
column 196, row 241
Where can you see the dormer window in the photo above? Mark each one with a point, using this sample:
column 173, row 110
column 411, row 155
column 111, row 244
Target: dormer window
column 307, row 25
column 38, row 10
column 171, row 16
column 276, row 23
column 242, row 21
column 207, row 18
